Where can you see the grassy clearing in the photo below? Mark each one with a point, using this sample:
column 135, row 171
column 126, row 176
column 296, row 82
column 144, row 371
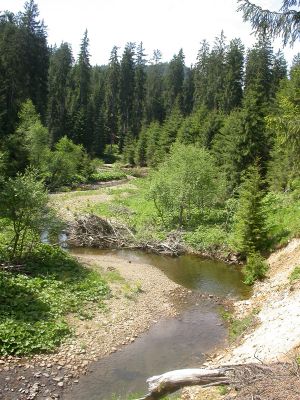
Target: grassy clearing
column 34, row 302
column 131, row 207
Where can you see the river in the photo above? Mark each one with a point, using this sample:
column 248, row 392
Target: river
column 171, row 343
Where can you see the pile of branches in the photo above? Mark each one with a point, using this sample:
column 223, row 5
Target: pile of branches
column 93, row 231
column 172, row 245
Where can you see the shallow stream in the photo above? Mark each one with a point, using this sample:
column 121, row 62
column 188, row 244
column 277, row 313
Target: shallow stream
column 171, row 343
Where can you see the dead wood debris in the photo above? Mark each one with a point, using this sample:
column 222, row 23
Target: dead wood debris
column 93, row 231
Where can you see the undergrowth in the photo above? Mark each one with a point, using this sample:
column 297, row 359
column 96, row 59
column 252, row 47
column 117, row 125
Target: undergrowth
column 35, row 300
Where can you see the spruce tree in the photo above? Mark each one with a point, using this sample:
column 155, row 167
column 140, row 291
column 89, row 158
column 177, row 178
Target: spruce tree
column 174, row 83
column 80, row 95
column 35, row 57
column 250, row 233
column 201, row 75
column 112, row 97
column 127, row 88
column 154, row 102
column 59, row 87
column 139, row 89
column 233, row 82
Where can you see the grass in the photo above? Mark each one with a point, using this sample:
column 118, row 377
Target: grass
column 131, row 207
column 295, row 275
column 35, row 302
column 237, row 327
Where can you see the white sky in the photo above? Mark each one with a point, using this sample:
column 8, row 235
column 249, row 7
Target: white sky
column 166, row 25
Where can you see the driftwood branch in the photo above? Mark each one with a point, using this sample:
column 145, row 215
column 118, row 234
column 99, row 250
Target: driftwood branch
column 170, row 382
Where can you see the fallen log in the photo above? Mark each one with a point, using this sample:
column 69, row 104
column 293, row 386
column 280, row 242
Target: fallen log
column 161, row 385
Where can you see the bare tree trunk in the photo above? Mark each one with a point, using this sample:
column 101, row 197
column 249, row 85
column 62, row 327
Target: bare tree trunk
column 170, row 382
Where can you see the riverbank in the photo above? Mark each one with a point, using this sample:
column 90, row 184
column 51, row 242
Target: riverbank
column 136, row 304
column 274, row 341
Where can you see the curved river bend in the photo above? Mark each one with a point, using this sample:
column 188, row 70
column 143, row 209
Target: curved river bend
column 172, row 343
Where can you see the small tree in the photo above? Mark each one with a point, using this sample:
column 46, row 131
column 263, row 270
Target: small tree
column 66, row 163
column 24, row 204
column 250, row 235
column 187, row 183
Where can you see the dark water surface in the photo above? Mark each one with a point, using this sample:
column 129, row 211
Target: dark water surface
column 172, row 343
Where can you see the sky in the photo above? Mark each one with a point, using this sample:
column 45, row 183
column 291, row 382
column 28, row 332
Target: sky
column 167, row 25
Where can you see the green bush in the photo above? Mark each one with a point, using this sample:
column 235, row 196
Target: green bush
column 207, row 238
column 255, row 268
column 33, row 306
column 108, row 175
column 24, row 206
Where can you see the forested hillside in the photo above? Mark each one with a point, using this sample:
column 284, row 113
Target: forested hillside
column 230, row 124
column 219, row 103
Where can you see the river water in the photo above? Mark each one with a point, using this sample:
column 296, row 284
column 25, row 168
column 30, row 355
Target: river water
column 171, row 343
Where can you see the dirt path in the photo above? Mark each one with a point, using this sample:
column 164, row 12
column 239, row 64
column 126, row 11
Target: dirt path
column 141, row 295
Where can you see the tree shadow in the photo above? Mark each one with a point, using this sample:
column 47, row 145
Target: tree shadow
column 19, row 303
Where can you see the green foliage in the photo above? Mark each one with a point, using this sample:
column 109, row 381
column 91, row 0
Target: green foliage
column 33, row 306
column 255, row 268
column 107, row 175
column 249, row 223
column 68, row 164
column 284, row 126
column 207, row 238
column 187, row 182
column 24, row 204
column 295, row 275
column 282, row 212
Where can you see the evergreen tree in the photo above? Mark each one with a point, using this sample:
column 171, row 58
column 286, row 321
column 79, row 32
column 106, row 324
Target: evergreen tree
column 188, row 91
column 80, row 96
column 127, row 88
column 154, row 102
column 96, row 113
column 153, row 150
column 174, row 83
column 140, row 89
column 59, row 86
column 284, row 23
column 201, row 76
column 216, row 74
column 141, row 149
column 250, row 234
column 279, row 72
column 233, row 82
column 11, row 73
column 112, row 97
column 169, row 131
column 35, row 57
column 258, row 75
